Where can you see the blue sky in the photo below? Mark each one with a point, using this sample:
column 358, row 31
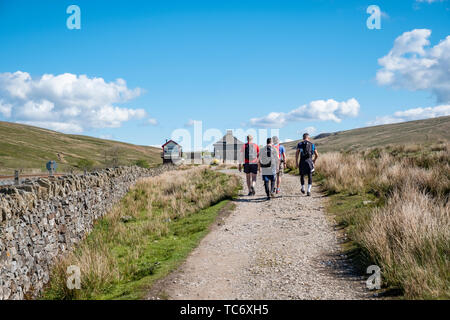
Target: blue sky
column 221, row 62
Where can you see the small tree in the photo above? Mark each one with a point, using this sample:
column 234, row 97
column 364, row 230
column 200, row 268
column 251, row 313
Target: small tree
column 112, row 156
column 85, row 164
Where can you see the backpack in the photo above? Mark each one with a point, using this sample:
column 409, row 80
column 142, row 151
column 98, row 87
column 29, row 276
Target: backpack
column 306, row 149
column 269, row 156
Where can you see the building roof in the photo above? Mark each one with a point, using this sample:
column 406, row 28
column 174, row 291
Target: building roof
column 169, row 142
column 229, row 139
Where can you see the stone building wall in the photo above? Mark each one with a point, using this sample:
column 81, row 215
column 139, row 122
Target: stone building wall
column 42, row 219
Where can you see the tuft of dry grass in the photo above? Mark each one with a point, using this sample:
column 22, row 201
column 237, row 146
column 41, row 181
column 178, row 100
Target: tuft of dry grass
column 345, row 172
column 290, row 166
column 409, row 239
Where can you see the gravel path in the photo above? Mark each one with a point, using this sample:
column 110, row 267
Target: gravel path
column 284, row 248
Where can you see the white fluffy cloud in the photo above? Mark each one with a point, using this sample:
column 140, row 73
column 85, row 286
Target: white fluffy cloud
column 66, row 102
column 5, row 109
column 413, row 114
column 413, row 65
column 323, row 110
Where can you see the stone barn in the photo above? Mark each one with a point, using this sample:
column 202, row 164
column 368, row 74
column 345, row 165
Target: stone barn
column 228, row 148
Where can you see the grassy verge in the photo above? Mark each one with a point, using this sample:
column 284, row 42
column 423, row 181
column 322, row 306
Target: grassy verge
column 392, row 205
column 146, row 236
column 350, row 212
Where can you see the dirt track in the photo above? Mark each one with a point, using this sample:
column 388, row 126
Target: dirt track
column 284, row 248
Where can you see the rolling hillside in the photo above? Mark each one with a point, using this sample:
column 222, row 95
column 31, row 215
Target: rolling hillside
column 420, row 131
column 29, row 148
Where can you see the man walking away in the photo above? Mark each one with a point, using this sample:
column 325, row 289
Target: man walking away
column 306, row 149
column 269, row 163
column 249, row 157
column 282, row 162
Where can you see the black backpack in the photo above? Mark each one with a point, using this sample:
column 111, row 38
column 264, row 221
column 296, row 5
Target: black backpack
column 306, row 147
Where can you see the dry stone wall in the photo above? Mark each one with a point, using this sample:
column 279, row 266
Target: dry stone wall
column 42, row 219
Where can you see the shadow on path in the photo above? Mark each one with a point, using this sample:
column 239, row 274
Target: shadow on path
column 249, row 199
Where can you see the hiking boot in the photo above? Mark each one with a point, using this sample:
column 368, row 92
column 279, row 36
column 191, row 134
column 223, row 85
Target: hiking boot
column 308, row 194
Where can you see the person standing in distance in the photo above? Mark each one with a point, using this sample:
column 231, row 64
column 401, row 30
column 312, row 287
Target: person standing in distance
column 282, row 156
column 249, row 156
column 306, row 149
column 269, row 164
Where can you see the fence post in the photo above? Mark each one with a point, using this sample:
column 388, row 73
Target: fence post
column 16, row 177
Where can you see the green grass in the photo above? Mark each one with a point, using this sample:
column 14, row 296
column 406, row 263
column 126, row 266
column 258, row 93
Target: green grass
column 30, row 148
column 350, row 211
